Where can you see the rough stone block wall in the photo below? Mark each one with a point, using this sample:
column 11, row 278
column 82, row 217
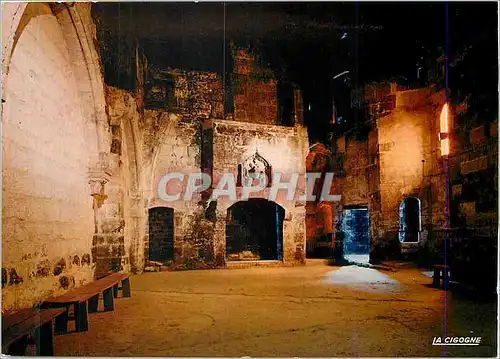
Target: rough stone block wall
column 171, row 138
column 255, row 91
column 285, row 149
column 180, row 151
column 354, row 186
column 360, row 185
column 47, row 213
column 152, row 143
column 195, row 95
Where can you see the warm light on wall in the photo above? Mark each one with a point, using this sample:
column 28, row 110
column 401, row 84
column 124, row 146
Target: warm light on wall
column 444, row 128
column 445, row 147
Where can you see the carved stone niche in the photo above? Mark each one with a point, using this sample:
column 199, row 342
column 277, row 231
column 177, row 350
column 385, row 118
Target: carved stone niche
column 253, row 171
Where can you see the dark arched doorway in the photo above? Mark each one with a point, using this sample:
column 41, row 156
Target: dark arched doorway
column 409, row 220
column 254, row 230
column 161, row 234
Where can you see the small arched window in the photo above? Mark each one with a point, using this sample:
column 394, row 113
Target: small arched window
column 410, row 220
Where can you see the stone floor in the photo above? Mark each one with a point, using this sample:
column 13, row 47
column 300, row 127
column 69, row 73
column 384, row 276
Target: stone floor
column 314, row 310
column 358, row 258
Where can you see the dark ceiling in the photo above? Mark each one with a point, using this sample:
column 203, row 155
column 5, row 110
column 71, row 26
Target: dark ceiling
column 307, row 43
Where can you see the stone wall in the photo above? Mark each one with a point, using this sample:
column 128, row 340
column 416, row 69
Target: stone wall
column 354, row 186
column 379, row 167
column 285, row 149
column 179, row 151
column 359, row 184
column 190, row 94
column 254, row 89
column 50, row 139
column 319, row 215
column 156, row 141
column 410, row 161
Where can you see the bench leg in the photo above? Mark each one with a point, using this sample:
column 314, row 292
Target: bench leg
column 108, row 299
column 45, row 340
column 61, row 322
column 436, row 278
column 18, row 348
column 115, row 290
column 126, row 287
column 81, row 317
column 94, row 304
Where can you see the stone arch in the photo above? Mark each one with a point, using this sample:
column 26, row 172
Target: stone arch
column 11, row 17
column 54, row 125
column 78, row 31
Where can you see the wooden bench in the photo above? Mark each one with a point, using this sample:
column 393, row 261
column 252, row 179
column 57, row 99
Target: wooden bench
column 441, row 271
column 85, row 299
column 18, row 328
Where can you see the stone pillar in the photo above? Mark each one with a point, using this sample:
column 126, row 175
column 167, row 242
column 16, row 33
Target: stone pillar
column 220, row 237
column 135, row 229
column 298, row 107
column 108, row 244
column 300, row 234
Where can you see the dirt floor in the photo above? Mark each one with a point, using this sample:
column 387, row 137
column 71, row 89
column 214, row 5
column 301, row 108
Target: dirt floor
column 286, row 311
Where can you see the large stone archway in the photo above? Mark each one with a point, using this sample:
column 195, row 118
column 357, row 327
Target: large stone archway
column 54, row 146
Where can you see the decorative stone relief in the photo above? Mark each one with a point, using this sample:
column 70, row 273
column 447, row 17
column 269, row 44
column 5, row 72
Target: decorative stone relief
column 254, row 171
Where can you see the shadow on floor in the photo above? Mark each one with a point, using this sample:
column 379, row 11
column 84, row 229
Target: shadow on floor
column 462, row 291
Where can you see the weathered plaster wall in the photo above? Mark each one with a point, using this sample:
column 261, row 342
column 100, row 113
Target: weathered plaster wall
column 285, row 148
column 50, row 139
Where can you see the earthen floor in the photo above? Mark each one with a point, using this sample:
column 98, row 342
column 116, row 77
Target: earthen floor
column 285, row 311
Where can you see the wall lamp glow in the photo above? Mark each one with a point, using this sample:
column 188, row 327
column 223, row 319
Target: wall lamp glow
column 444, row 119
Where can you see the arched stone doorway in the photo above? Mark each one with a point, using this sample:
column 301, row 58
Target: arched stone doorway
column 161, row 234
column 409, row 220
column 254, row 230
column 356, row 233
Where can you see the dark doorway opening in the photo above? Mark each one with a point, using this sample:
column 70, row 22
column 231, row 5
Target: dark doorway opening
column 409, row 220
column 356, row 229
column 254, row 231
column 161, row 234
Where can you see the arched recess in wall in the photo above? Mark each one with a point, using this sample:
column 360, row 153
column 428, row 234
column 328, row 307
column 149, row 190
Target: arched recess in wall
column 410, row 220
column 50, row 110
column 161, row 234
column 254, row 230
